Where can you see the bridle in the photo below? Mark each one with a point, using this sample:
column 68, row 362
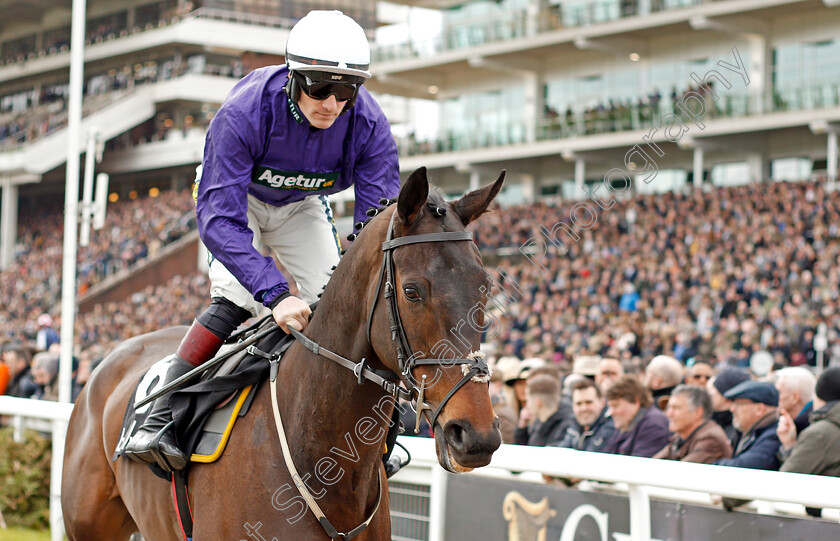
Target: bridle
column 473, row 367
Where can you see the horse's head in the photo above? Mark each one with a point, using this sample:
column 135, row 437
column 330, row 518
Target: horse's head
column 428, row 315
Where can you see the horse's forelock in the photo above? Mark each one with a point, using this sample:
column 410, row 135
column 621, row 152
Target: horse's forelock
column 436, row 197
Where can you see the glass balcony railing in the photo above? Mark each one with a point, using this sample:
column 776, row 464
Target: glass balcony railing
column 620, row 118
column 515, row 24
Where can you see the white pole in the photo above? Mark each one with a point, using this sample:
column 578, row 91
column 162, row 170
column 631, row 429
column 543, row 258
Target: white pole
column 820, row 345
column 68, row 273
column 437, row 505
column 101, row 201
column 8, row 222
column 87, row 191
column 580, row 177
column 59, row 429
column 639, row 513
column 698, row 167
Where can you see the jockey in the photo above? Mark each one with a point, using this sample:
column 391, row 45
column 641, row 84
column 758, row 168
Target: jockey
column 284, row 139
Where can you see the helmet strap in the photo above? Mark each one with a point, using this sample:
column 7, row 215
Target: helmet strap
column 292, row 88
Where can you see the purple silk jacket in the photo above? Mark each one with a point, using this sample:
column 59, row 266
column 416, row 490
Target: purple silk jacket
column 259, row 143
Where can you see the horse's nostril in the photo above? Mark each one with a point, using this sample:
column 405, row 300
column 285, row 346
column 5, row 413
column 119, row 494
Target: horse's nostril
column 458, row 433
column 455, row 434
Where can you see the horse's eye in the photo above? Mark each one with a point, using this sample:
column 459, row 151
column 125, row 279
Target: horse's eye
column 412, row 294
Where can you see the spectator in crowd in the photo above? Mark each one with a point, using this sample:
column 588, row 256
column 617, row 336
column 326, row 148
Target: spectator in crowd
column 817, row 449
column 696, row 438
column 609, row 370
column 569, row 383
column 721, row 406
column 592, row 429
column 543, row 421
column 796, row 394
column 4, row 376
column 47, row 336
column 20, row 384
column 699, row 373
column 662, row 374
column 517, row 387
column 499, row 399
column 586, row 365
column 629, row 299
column 45, row 376
column 518, row 381
column 643, row 429
column 755, row 415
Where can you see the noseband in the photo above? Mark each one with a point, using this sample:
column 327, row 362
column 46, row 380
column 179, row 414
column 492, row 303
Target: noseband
column 473, row 366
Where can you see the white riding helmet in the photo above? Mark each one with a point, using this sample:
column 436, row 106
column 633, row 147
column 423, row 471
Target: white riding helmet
column 328, row 41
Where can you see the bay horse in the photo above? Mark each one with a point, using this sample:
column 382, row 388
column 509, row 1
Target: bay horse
column 431, row 283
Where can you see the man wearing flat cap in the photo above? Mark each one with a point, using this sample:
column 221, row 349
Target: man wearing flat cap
column 755, row 414
column 717, row 387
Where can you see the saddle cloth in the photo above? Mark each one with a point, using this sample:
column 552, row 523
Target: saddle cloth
column 204, row 412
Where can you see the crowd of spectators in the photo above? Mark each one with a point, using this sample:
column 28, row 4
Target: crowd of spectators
column 639, row 338
column 134, row 229
column 787, row 420
column 708, row 275
column 32, row 371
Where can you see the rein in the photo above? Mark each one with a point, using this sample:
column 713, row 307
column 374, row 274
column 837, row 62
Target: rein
column 473, row 367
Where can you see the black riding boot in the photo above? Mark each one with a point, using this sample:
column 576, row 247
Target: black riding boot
column 154, row 441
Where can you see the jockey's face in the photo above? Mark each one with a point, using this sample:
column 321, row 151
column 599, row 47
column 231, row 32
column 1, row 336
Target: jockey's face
column 320, row 113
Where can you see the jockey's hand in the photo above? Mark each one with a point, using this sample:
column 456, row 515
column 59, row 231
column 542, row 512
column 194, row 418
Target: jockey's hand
column 291, row 312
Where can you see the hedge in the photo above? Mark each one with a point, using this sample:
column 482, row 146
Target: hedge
column 25, row 479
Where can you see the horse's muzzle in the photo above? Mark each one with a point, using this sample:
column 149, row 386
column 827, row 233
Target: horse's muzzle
column 462, row 448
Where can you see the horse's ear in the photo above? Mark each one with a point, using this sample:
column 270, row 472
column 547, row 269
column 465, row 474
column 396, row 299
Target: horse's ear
column 476, row 202
column 413, row 196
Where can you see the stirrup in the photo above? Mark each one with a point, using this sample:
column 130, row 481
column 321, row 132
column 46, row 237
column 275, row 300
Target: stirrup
column 163, row 460
column 153, row 454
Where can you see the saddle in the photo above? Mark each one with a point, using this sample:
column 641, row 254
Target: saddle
column 204, row 411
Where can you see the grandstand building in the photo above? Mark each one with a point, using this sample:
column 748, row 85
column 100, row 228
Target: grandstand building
column 672, row 92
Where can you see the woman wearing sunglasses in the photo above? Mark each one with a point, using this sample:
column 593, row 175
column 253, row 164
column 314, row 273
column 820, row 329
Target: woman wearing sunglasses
column 285, row 138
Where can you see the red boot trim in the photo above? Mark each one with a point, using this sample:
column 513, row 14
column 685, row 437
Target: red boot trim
column 199, row 345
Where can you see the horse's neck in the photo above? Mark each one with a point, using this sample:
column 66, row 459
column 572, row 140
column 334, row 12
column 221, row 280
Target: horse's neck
column 330, row 419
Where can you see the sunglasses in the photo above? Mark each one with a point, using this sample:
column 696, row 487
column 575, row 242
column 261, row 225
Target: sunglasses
column 321, row 90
